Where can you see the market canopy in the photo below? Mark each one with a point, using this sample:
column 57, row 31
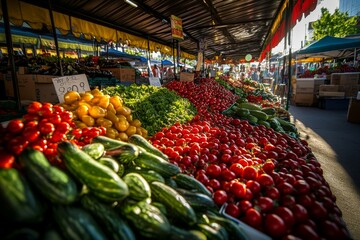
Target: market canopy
column 231, row 29
column 118, row 54
column 330, row 47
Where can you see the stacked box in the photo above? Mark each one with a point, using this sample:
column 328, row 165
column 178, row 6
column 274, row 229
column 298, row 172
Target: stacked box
column 306, row 90
column 32, row 87
column 331, row 91
column 349, row 81
column 123, row 74
column 353, row 114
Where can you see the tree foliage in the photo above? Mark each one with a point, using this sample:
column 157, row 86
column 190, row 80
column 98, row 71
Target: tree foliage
column 338, row 24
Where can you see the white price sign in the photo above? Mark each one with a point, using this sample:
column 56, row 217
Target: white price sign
column 78, row 83
column 155, row 81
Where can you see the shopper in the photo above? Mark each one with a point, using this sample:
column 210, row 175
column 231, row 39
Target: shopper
column 156, row 71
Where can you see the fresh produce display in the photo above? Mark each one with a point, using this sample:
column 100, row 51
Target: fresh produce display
column 339, row 68
column 265, row 178
column 203, row 160
column 95, row 108
column 42, row 128
column 155, row 107
column 89, row 200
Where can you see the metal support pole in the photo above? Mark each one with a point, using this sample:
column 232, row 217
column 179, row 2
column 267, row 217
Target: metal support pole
column 149, row 58
column 55, row 38
column 174, row 59
column 9, row 44
column 288, row 21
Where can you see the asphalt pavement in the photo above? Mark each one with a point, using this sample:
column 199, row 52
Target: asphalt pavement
column 336, row 144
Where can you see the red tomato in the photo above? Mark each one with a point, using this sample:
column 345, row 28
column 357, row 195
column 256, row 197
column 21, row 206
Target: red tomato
column 306, row 232
column 301, row 187
column 265, row 180
column 238, row 189
column 77, row 133
column 220, row 197
column 318, row 211
column 15, row 126
column 286, row 215
column 272, row 192
column 233, row 210
column 274, row 225
column 254, row 186
column 34, row 107
column 253, row 217
column 268, row 167
column 300, row 213
column 214, row 184
column 285, row 188
column 6, row 159
column 250, row 173
column 227, row 175
column 237, row 168
column 244, row 205
column 46, row 110
column 266, row 204
column 64, row 127
column 46, row 128
column 213, row 170
column 31, row 134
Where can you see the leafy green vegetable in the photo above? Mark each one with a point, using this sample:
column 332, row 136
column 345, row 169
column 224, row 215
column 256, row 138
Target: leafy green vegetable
column 155, row 107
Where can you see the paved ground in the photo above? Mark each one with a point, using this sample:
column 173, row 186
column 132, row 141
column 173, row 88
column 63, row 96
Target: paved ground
column 336, row 144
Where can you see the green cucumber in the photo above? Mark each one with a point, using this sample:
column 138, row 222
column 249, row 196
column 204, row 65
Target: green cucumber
column 116, row 228
column 161, row 207
column 251, row 119
column 241, row 100
column 152, row 162
column 147, row 219
column 286, row 125
column 250, row 106
column 138, row 187
column 174, row 202
column 124, row 154
column 198, row 201
column 23, row 234
column 234, row 230
column 265, row 123
column 269, row 111
column 170, row 182
column 108, row 143
column 76, row 223
column 53, row 183
column 102, row 181
column 185, row 181
column 145, row 144
column 95, row 150
column 149, row 175
column 210, row 232
column 260, row 115
column 18, row 202
column 183, row 234
column 243, row 112
column 111, row 163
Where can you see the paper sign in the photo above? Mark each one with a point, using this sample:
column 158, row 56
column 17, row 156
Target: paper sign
column 155, row 81
column 176, row 28
column 78, row 83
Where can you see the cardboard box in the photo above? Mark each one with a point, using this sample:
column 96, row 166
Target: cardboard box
column 30, row 89
column 305, row 99
column 123, row 74
column 331, row 88
column 353, row 114
column 345, row 78
column 308, row 85
column 186, row 77
column 351, row 90
column 332, row 94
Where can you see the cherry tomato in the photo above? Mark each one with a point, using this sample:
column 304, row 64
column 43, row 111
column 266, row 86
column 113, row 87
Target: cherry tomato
column 250, row 173
column 66, row 116
column 233, row 210
column 254, row 186
column 63, row 127
column 31, row 134
column 220, row 197
column 265, row 180
column 274, row 225
column 227, row 174
column 253, row 217
column 238, row 189
column 34, row 107
column 272, row 192
column 46, row 128
column 300, row 213
column 15, row 126
column 6, row 159
column 46, row 110
column 286, row 215
column 266, row 204
column 237, row 168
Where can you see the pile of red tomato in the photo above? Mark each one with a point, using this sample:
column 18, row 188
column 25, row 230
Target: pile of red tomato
column 269, row 180
column 42, row 128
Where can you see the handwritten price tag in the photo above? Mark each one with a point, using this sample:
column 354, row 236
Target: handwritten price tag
column 78, row 83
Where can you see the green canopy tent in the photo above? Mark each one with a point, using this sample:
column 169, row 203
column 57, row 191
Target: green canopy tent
column 330, row 47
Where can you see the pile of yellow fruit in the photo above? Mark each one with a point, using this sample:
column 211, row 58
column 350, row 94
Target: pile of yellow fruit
column 94, row 108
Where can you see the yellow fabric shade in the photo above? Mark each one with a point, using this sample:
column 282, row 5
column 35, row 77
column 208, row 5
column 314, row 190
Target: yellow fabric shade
column 19, row 39
column 92, row 30
column 66, row 45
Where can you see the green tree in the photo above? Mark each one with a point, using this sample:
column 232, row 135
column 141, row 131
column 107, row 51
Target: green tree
column 338, row 24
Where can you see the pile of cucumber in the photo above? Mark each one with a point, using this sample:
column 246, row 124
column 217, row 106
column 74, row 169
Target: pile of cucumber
column 257, row 115
column 108, row 189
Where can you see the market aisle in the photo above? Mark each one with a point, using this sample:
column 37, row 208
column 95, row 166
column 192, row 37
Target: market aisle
column 336, row 144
